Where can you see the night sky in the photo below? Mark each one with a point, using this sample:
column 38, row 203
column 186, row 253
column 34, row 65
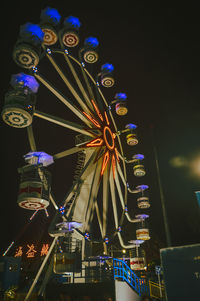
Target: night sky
column 155, row 51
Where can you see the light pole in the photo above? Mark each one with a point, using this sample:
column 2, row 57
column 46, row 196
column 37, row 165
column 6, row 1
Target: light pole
column 162, row 199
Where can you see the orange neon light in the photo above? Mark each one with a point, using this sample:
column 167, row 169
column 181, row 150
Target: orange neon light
column 31, row 251
column 116, row 152
column 97, row 110
column 105, row 162
column 19, row 252
column 109, row 146
column 45, row 249
column 95, row 142
column 113, row 165
column 92, row 120
column 106, row 116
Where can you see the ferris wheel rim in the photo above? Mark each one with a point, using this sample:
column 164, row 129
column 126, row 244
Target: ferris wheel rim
column 30, row 133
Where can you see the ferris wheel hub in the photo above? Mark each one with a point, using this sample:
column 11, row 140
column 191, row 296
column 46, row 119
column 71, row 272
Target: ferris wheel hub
column 108, row 138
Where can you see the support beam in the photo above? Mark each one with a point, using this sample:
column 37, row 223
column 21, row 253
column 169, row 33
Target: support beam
column 31, row 138
column 113, row 197
column 62, row 98
column 119, row 190
column 68, row 84
column 67, row 152
column 40, row 269
column 105, row 198
column 59, row 121
column 81, row 88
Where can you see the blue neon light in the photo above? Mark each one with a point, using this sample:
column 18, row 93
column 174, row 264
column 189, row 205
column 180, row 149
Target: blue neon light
column 31, row 32
column 142, row 216
column 42, row 158
column 131, row 126
column 121, row 96
column 139, row 156
column 25, row 80
column 50, row 15
column 142, row 187
column 91, row 41
column 72, row 22
column 107, row 68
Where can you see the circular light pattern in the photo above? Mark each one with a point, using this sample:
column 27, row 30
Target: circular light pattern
column 139, row 170
column 131, row 139
column 70, row 39
column 25, row 56
column 121, row 109
column 16, row 117
column 90, row 56
column 33, row 204
column 107, row 81
column 50, row 36
column 143, row 202
column 108, row 137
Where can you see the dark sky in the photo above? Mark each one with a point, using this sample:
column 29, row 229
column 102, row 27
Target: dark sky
column 155, row 50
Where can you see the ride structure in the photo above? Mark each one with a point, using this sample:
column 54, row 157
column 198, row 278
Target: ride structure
column 99, row 188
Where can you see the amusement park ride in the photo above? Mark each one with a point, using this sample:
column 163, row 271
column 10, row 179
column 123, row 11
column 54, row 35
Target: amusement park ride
column 100, row 187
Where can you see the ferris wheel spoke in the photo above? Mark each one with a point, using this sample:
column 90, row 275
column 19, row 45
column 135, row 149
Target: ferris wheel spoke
column 119, row 189
column 75, row 75
column 31, row 138
column 67, row 152
column 113, row 197
column 89, row 88
column 105, row 198
column 62, row 122
column 99, row 219
column 121, row 173
column 62, row 98
column 84, row 173
column 68, row 84
column 53, row 201
column 92, row 198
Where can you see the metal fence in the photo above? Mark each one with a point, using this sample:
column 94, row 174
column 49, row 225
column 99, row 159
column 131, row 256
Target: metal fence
column 156, row 291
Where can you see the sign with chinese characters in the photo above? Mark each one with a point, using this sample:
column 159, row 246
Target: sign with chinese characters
column 181, row 269
column 32, row 250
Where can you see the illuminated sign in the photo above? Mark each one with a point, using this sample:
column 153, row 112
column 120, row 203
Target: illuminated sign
column 32, row 250
column 45, row 249
column 19, row 252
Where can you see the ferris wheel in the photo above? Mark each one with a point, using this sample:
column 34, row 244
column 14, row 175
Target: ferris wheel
column 97, row 200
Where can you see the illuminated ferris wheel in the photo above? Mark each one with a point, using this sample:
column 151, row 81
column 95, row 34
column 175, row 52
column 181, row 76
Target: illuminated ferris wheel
column 97, row 200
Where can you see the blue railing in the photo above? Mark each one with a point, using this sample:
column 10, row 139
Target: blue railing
column 122, row 271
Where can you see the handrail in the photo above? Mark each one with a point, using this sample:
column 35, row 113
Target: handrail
column 122, row 271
